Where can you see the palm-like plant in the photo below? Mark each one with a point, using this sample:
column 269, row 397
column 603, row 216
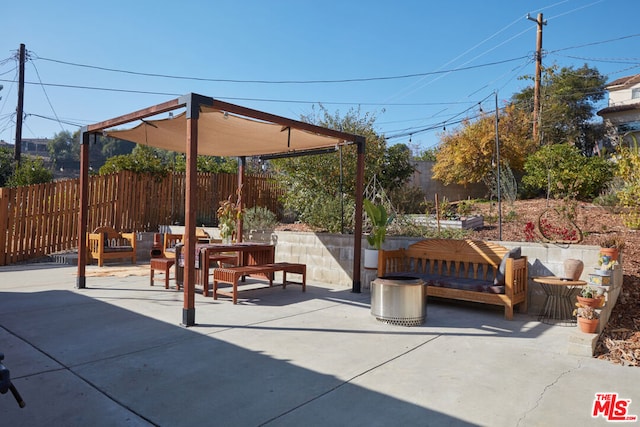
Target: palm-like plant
column 379, row 220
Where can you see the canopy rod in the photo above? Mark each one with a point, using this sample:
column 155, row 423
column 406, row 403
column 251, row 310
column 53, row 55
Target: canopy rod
column 298, row 153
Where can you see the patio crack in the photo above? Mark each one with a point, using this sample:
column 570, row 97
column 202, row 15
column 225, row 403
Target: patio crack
column 544, row 391
column 350, row 380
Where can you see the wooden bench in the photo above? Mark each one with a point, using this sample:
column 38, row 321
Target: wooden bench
column 232, row 275
column 105, row 243
column 467, row 270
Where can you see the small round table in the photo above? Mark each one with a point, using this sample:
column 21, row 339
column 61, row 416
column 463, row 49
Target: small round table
column 559, row 302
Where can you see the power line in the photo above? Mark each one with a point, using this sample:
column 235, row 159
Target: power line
column 55, row 119
column 206, row 79
column 632, row 61
column 292, row 101
column 595, row 43
column 47, row 96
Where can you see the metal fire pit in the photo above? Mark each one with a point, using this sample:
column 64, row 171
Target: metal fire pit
column 398, row 300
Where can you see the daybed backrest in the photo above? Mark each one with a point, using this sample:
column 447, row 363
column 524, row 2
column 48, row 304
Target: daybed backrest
column 477, row 251
column 461, row 258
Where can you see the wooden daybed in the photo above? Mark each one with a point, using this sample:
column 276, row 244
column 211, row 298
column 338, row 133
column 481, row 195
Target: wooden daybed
column 468, row 270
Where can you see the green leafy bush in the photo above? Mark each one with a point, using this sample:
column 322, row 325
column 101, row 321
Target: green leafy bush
column 259, row 218
column 563, row 171
column 629, row 194
column 31, row 171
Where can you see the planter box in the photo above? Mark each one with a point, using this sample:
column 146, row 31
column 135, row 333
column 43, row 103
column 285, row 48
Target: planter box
column 470, row 223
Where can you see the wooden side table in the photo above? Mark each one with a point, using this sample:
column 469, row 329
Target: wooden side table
column 559, row 302
column 163, row 265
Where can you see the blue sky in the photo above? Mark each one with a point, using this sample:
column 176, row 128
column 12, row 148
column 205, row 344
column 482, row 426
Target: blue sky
column 301, row 41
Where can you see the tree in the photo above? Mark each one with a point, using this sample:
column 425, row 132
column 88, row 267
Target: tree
column 313, row 182
column 143, row 159
column 210, row 164
column 31, row 171
column 467, row 155
column 428, row 155
column 6, row 164
column 568, row 99
column 107, row 147
column 64, row 148
column 397, row 167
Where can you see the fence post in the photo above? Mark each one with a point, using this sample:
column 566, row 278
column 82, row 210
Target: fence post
column 4, row 224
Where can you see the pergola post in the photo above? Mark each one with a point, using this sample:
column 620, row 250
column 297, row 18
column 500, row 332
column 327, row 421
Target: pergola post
column 189, row 249
column 81, row 279
column 357, row 232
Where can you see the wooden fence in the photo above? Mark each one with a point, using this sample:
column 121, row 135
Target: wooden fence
column 42, row 219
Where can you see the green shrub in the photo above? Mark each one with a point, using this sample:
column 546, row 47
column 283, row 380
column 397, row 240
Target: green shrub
column 31, row 171
column 563, row 171
column 324, row 212
column 408, row 199
column 259, row 218
column 629, row 194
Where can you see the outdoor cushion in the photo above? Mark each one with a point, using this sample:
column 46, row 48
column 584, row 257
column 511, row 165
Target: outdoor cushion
column 514, row 253
column 118, row 249
column 452, row 282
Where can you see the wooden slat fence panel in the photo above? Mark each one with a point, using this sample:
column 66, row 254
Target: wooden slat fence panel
column 42, row 219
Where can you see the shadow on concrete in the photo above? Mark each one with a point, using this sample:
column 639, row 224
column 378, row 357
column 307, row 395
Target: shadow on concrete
column 79, row 361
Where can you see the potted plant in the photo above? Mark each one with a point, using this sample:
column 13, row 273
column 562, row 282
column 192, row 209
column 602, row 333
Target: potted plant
column 611, row 246
column 587, row 318
column 605, row 265
column 229, row 213
column 379, row 220
column 590, row 297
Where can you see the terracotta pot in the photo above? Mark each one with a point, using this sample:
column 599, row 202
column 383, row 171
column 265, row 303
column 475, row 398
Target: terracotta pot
column 588, row 326
column 591, row 302
column 573, row 269
column 612, row 252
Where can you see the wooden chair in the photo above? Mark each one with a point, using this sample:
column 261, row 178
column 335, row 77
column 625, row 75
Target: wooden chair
column 105, row 243
column 169, row 244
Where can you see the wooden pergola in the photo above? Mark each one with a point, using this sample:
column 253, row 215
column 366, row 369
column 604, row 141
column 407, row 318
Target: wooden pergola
column 213, row 127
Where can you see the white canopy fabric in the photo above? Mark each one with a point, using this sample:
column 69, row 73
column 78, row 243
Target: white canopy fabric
column 224, row 134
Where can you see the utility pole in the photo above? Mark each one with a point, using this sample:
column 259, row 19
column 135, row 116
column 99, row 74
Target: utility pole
column 498, row 171
column 536, row 87
column 19, row 108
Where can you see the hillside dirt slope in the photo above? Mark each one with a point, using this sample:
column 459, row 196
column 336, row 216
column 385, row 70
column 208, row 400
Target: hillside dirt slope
column 620, row 341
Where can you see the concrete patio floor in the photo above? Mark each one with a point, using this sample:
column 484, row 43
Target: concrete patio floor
column 114, row 354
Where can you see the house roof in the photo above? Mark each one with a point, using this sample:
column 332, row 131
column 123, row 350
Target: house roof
column 623, row 82
column 619, row 108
